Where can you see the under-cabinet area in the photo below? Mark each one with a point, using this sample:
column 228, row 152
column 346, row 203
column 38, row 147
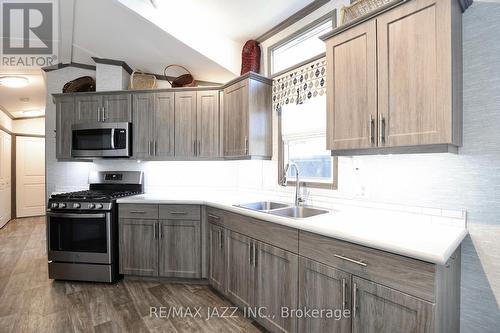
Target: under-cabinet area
column 258, row 264
column 232, row 121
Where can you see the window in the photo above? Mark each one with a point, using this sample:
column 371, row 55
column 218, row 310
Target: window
column 302, row 118
column 303, row 141
column 299, row 48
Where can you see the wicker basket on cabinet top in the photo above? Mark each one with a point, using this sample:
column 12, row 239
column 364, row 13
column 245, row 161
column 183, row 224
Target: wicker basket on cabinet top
column 360, row 8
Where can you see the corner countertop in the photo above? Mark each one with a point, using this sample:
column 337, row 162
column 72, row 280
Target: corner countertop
column 413, row 235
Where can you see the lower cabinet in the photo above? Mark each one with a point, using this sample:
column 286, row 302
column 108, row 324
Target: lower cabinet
column 325, row 289
column 180, row 248
column 240, row 269
column 162, row 240
column 380, row 309
column 138, row 247
column 217, row 257
column 276, row 287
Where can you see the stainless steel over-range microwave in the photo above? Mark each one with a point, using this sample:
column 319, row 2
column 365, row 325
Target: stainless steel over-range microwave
column 101, row 140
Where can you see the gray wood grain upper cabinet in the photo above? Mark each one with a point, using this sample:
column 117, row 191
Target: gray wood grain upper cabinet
column 247, row 128
column 240, row 269
column 185, row 124
column 395, row 81
column 117, row 108
column 323, row 288
column 88, row 108
column 208, row 115
column 65, row 117
column 138, row 246
column 380, row 309
column 142, row 124
column 180, row 248
column 163, row 125
column 416, row 73
column 352, row 88
column 276, row 280
column 217, row 256
column 153, row 125
column 91, row 108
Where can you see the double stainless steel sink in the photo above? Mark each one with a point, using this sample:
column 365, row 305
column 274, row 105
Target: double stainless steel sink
column 281, row 209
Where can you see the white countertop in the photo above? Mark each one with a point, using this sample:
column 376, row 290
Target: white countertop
column 408, row 234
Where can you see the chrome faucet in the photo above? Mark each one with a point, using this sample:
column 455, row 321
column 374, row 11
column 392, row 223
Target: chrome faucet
column 298, row 199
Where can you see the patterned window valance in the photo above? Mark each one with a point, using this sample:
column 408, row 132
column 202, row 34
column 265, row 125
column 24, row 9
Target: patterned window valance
column 299, row 85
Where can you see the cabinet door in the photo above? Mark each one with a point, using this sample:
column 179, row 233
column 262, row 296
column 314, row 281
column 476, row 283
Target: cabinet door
column 235, row 115
column 324, row 288
column 240, row 269
column 217, row 256
column 138, row 245
column 380, row 309
column 180, row 251
column 276, row 282
column 88, row 109
column 185, row 124
column 117, row 108
column 142, row 124
column 65, row 114
column 207, row 106
column 415, row 74
column 163, row 124
column 352, row 88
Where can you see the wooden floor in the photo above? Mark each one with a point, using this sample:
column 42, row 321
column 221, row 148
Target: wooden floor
column 30, row 302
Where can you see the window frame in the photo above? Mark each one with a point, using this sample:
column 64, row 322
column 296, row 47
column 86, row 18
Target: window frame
column 304, row 30
column 333, row 185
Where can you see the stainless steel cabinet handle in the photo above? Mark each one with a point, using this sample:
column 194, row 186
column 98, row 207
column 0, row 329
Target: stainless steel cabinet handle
column 246, row 145
column 199, row 148
column 154, row 231
column 372, row 130
column 137, row 212
column 213, row 217
column 358, row 262
column 149, row 148
column 98, row 113
column 254, row 256
column 250, row 253
column 220, row 239
column 355, row 299
column 382, row 130
column 194, row 147
column 160, row 229
column 178, row 213
column 343, row 295
column 154, row 148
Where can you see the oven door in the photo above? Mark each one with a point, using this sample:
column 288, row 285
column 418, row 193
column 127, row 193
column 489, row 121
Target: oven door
column 101, row 140
column 79, row 237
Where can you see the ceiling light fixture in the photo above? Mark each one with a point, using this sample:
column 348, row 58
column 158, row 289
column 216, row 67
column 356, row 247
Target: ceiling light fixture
column 12, row 81
column 32, row 113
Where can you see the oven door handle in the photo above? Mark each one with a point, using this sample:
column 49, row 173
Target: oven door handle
column 76, row 216
column 113, row 138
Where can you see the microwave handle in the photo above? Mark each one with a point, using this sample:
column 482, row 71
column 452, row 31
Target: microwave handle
column 112, row 138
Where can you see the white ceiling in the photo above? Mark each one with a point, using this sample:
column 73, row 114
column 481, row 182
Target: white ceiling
column 206, row 36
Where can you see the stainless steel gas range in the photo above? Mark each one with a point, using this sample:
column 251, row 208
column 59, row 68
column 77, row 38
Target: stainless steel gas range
column 82, row 227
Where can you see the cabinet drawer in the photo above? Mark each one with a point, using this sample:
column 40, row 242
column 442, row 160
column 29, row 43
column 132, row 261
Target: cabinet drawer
column 138, row 211
column 180, row 212
column 405, row 274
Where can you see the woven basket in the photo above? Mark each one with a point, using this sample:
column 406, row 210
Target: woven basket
column 360, row 8
column 184, row 80
column 140, row 80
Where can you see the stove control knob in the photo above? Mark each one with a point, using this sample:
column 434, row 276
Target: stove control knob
column 54, row 205
column 98, row 206
column 62, row 205
column 91, row 206
column 76, row 205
